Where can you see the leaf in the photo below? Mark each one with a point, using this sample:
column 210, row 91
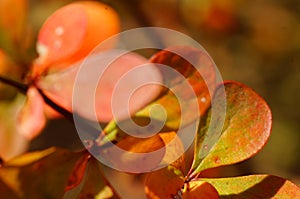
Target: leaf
column 165, row 183
column 29, row 158
column 255, row 187
column 135, row 155
column 31, row 118
column 189, row 76
column 174, row 154
column 189, row 86
column 106, row 83
column 63, row 40
column 40, row 175
column 93, row 184
column 245, row 131
column 11, row 142
column 78, row 172
column 200, row 189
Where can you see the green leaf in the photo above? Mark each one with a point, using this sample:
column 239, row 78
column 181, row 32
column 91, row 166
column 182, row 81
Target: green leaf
column 245, row 131
column 255, row 187
column 42, row 174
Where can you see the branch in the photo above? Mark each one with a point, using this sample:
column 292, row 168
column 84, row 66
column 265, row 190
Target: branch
column 21, row 87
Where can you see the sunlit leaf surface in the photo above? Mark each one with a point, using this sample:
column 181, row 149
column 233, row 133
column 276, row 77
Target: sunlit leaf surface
column 63, row 39
column 246, row 129
column 255, row 187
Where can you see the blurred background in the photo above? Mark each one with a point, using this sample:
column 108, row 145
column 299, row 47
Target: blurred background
column 254, row 42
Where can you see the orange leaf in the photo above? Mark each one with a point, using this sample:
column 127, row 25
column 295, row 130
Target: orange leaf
column 200, row 189
column 174, row 151
column 136, row 155
column 165, row 183
column 189, row 75
column 71, row 32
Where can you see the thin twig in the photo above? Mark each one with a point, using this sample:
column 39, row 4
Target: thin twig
column 21, row 87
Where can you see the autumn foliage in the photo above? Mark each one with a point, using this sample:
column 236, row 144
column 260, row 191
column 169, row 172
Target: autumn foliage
column 233, row 123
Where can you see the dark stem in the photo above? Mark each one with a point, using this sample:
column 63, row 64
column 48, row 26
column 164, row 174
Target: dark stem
column 67, row 114
column 21, row 87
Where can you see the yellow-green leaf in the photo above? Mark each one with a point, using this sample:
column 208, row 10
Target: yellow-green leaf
column 245, row 131
column 255, row 187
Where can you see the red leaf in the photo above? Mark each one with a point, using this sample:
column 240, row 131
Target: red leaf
column 78, row 172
